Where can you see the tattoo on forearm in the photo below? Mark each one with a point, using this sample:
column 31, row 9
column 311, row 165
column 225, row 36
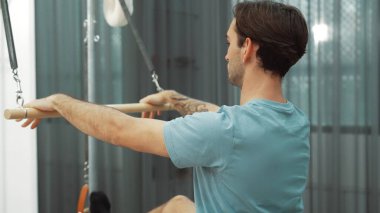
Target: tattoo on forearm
column 187, row 106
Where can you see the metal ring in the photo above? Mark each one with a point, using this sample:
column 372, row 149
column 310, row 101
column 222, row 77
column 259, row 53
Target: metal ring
column 19, row 100
column 26, row 113
column 15, row 72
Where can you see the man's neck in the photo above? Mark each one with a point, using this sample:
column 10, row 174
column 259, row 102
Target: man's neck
column 260, row 84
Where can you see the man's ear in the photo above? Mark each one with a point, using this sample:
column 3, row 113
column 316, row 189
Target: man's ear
column 249, row 49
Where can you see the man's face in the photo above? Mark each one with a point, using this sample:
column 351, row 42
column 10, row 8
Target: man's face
column 234, row 58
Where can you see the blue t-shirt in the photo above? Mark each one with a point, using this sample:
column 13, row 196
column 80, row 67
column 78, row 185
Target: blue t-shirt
column 249, row 158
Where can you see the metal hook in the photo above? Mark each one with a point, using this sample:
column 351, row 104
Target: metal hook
column 155, row 81
column 19, row 99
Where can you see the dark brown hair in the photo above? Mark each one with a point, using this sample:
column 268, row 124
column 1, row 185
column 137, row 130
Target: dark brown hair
column 280, row 30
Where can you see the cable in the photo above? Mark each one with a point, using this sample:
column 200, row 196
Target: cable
column 141, row 46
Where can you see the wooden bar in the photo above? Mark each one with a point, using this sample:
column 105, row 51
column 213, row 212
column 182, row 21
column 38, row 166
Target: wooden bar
column 21, row 113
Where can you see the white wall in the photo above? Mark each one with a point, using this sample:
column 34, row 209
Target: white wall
column 18, row 156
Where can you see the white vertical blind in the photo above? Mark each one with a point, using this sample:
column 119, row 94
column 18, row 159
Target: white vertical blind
column 18, row 156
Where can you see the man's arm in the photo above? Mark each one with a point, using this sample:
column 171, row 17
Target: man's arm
column 182, row 103
column 107, row 124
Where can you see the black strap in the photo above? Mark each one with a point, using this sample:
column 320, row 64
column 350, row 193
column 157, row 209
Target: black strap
column 8, row 34
column 139, row 41
column 141, row 45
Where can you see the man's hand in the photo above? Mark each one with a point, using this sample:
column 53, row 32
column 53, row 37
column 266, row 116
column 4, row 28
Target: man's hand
column 43, row 104
column 183, row 104
column 157, row 99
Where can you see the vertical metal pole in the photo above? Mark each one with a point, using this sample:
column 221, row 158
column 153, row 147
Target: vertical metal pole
column 91, row 88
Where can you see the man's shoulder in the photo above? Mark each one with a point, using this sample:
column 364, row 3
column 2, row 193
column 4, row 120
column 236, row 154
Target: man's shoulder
column 208, row 121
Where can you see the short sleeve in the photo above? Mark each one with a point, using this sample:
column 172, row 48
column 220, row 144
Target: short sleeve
column 202, row 139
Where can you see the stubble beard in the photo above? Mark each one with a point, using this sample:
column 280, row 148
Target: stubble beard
column 235, row 73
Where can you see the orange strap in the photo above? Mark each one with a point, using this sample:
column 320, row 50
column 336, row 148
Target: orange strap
column 82, row 198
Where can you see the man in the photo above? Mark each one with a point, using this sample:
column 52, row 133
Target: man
column 247, row 158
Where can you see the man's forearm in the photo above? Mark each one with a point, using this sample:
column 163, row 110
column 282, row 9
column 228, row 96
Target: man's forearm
column 188, row 106
column 95, row 120
column 112, row 126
